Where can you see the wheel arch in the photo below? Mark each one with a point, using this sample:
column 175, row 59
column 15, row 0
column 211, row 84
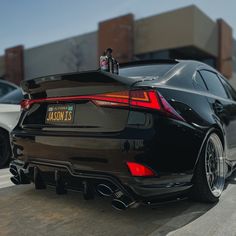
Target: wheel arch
column 219, row 131
column 5, row 133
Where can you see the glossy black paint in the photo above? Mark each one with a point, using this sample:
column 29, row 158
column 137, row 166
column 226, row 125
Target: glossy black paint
column 102, row 140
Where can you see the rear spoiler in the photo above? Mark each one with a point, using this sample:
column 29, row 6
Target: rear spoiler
column 37, row 87
column 40, row 84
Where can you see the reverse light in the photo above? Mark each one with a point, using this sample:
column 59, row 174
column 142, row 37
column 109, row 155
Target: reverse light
column 139, row 170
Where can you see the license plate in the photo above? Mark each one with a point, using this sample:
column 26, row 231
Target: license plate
column 60, row 114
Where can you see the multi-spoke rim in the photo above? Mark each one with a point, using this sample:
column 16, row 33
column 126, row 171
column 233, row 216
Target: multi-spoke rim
column 214, row 165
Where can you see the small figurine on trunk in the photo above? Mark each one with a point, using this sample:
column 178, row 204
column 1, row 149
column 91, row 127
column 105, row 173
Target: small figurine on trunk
column 108, row 63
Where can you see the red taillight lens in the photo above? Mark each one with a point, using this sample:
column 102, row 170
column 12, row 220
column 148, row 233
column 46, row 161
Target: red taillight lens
column 140, row 170
column 25, row 104
column 135, row 98
column 148, row 99
column 111, row 99
column 145, row 99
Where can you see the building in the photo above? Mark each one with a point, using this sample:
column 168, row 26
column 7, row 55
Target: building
column 185, row 33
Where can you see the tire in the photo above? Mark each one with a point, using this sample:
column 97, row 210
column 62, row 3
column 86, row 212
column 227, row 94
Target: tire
column 209, row 175
column 5, row 149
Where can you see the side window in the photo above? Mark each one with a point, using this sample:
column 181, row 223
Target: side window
column 213, row 83
column 198, row 82
column 5, row 88
column 14, row 97
column 229, row 88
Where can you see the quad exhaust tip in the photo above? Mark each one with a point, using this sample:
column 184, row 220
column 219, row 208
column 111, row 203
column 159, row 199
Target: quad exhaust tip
column 15, row 180
column 13, row 170
column 105, row 190
column 119, row 205
column 120, row 201
column 19, row 176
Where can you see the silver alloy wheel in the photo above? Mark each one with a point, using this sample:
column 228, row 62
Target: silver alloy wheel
column 215, row 165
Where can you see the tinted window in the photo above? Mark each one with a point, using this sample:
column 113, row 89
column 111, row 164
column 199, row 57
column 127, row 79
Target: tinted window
column 199, row 83
column 13, row 97
column 213, row 84
column 145, row 70
column 229, row 88
column 5, row 89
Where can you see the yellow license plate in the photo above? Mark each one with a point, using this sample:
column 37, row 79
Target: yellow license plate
column 60, row 114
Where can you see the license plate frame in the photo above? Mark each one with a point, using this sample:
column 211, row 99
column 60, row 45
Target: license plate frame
column 60, row 114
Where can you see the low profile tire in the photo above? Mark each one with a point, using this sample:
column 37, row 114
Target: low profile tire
column 209, row 176
column 5, row 150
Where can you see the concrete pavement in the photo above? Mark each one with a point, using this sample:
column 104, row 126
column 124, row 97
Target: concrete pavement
column 219, row 221
column 25, row 211
column 5, row 178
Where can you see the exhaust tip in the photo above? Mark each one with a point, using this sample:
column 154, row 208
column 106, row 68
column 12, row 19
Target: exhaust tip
column 13, row 170
column 15, row 180
column 119, row 205
column 105, row 190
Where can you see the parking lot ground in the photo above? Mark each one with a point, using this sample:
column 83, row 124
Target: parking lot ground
column 5, row 178
column 26, row 211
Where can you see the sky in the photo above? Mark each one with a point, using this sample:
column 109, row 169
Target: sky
column 36, row 22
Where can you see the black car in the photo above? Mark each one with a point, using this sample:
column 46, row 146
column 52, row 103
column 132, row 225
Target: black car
column 161, row 129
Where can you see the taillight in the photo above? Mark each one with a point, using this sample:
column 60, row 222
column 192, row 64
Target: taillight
column 139, row 170
column 144, row 99
column 134, row 98
column 25, row 104
column 149, row 99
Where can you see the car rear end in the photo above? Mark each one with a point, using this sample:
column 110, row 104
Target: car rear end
column 97, row 132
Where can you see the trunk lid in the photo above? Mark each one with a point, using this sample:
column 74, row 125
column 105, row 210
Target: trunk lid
column 47, row 94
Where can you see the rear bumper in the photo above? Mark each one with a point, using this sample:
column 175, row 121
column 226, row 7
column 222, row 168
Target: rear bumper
column 170, row 149
column 139, row 189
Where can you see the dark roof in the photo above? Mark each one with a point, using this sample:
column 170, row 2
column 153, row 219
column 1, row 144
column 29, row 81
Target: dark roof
column 143, row 62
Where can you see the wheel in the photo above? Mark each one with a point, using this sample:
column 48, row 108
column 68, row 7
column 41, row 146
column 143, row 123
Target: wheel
column 5, row 149
column 209, row 176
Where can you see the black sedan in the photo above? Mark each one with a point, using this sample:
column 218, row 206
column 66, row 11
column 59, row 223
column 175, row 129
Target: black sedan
column 158, row 130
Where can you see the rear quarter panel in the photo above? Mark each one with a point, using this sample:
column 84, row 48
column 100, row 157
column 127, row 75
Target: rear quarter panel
column 9, row 116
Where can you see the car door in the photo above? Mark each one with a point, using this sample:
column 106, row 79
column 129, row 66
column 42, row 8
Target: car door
column 221, row 103
column 232, row 117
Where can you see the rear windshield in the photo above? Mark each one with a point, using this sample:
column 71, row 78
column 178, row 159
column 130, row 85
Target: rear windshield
column 14, row 97
column 153, row 71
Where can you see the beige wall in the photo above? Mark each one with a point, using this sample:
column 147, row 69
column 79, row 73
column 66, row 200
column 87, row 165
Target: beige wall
column 168, row 30
column 205, row 33
column 224, row 62
column 183, row 27
column 68, row 55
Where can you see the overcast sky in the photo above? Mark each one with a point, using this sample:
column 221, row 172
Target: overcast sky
column 32, row 22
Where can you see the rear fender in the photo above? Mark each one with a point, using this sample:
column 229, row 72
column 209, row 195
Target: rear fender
column 217, row 129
